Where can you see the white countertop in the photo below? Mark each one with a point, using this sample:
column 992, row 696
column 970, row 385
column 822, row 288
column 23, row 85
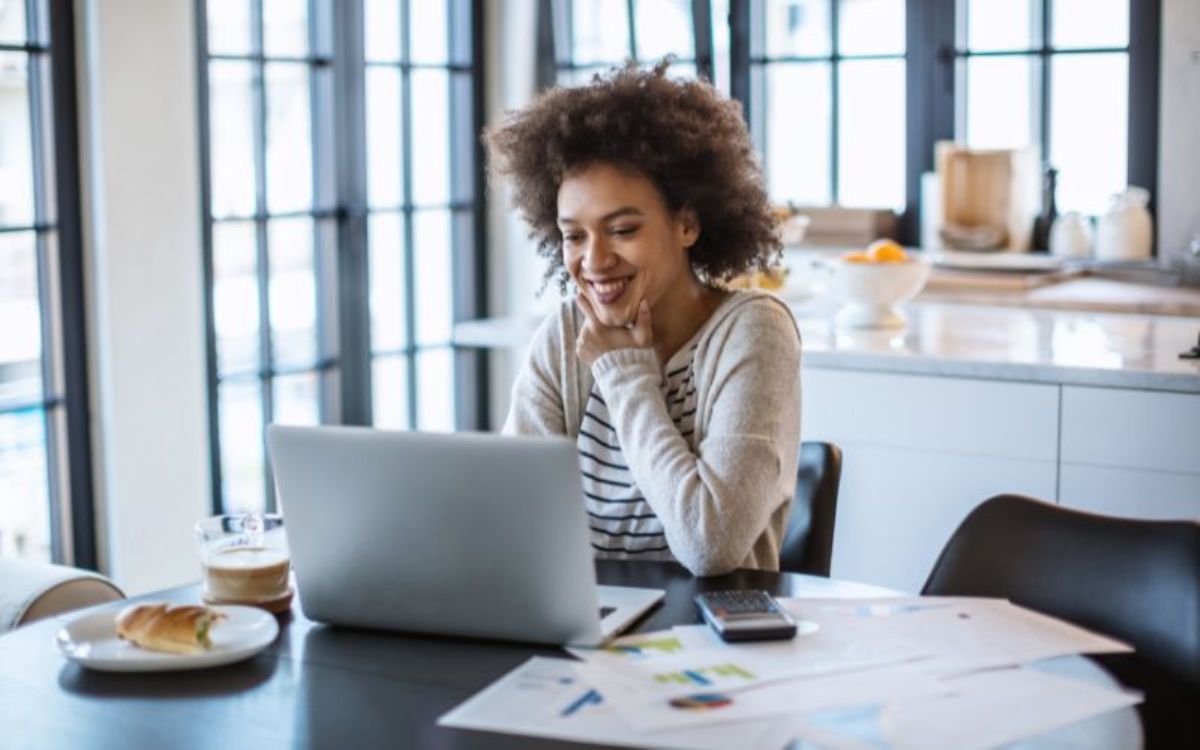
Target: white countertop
column 965, row 340
column 1009, row 343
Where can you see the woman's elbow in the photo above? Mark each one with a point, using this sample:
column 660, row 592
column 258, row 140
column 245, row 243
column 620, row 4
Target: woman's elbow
column 709, row 561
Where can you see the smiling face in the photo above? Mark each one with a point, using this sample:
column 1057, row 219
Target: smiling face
column 621, row 243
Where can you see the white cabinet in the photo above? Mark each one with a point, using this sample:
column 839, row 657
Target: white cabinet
column 1131, row 453
column 921, row 452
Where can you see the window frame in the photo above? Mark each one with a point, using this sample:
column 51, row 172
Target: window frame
column 345, row 352
column 931, row 90
column 65, row 399
column 556, row 27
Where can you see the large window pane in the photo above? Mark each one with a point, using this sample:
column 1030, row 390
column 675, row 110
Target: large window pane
column 235, row 296
column 289, row 138
column 12, row 28
column 285, row 27
column 229, row 27
column 1001, row 25
column 432, row 265
column 799, row 119
column 664, row 27
column 1088, row 133
column 431, row 138
column 1090, row 23
column 231, row 137
column 798, row 28
column 388, row 319
column 25, row 501
column 600, row 31
column 20, row 321
column 293, row 295
column 1000, row 102
column 240, row 405
column 871, row 134
column 389, row 396
column 16, row 153
column 871, row 27
column 429, row 37
column 385, row 161
column 382, row 27
column 297, row 399
column 435, row 383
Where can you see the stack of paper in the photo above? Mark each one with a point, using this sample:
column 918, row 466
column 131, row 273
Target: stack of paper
column 916, row 672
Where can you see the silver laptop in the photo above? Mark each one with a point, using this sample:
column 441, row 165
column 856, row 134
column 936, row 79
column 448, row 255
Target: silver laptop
column 465, row 534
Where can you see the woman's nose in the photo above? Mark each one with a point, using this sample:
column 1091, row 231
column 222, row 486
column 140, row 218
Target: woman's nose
column 598, row 255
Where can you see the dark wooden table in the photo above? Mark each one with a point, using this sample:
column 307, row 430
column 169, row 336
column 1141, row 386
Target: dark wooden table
column 316, row 686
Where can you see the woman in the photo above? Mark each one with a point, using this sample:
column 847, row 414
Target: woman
column 683, row 397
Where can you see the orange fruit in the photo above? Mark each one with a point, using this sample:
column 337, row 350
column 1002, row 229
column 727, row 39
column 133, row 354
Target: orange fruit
column 856, row 257
column 886, row 251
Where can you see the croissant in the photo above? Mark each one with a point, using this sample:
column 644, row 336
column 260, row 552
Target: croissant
column 182, row 629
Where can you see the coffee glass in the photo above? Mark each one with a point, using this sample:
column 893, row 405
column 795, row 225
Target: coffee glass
column 245, row 560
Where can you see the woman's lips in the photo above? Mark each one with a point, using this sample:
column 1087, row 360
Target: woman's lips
column 610, row 290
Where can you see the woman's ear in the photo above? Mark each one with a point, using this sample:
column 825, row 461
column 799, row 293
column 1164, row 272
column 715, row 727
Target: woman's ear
column 689, row 227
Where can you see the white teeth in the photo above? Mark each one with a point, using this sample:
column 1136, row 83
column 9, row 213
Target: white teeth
column 609, row 288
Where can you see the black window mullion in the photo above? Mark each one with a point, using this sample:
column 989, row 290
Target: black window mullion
column 929, row 86
column 266, row 356
column 740, row 23
column 631, row 24
column 408, row 214
column 321, row 278
column 835, row 103
column 44, row 266
column 354, row 314
column 70, row 312
column 1044, row 57
column 469, row 230
column 702, row 33
column 209, row 270
column 1145, row 29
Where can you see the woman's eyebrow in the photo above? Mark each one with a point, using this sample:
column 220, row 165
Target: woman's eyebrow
column 623, row 211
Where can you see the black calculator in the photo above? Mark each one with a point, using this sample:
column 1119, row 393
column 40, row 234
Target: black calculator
column 745, row 615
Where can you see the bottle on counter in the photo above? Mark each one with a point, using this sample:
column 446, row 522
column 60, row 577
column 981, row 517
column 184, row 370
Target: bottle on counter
column 1045, row 220
column 1126, row 231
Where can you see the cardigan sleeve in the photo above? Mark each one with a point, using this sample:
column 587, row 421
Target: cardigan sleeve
column 716, row 502
column 537, row 400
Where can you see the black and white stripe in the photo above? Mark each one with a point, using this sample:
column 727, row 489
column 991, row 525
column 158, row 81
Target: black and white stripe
column 622, row 523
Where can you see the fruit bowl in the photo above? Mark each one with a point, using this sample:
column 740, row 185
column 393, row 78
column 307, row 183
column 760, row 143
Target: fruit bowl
column 870, row 291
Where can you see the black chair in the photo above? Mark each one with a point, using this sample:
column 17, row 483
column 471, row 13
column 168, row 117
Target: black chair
column 1135, row 580
column 808, row 543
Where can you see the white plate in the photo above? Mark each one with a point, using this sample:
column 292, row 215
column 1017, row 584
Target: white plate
column 91, row 641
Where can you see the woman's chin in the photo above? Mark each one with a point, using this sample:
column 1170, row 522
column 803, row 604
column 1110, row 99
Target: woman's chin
column 615, row 316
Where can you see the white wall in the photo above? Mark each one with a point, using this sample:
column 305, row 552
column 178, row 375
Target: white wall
column 515, row 269
column 142, row 233
column 1179, row 127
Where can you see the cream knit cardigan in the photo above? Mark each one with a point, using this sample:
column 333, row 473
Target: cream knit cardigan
column 724, row 502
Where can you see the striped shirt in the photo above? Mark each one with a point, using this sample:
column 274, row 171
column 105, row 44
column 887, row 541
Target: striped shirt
column 623, row 526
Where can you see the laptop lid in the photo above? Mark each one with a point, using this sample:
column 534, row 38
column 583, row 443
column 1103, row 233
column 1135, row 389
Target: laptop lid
column 466, row 534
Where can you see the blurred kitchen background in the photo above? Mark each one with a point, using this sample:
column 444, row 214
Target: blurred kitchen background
column 217, row 214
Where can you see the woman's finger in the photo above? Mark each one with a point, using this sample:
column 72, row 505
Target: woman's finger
column 643, row 335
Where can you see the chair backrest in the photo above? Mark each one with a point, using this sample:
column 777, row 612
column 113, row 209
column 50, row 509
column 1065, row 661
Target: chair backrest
column 1130, row 579
column 808, row 543
column 31, row 591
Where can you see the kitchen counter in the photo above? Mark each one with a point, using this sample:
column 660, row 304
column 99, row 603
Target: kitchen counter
column 1067, row 347
column 1087, row 293
column 1008, row 343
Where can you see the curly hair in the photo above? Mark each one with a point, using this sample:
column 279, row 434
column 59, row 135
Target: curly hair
column 687, row 139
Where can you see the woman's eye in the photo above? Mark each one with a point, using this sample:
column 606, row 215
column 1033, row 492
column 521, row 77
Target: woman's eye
column 572, row 237
column 625, row 231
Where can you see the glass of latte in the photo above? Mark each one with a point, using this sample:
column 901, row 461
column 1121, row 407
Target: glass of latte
column 245, row 560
